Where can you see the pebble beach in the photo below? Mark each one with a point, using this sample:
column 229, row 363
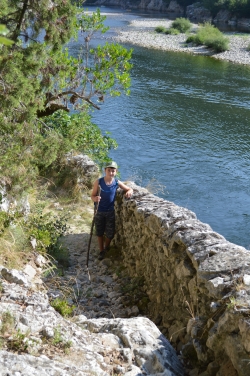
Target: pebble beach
column 142, row 33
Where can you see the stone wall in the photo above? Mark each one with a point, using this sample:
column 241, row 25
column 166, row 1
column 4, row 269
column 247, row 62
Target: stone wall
column 197, row 282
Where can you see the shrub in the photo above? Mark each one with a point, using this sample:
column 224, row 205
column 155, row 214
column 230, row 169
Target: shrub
column 77, row 132
column 219, row 44
column 191, row 39
column 5, row 220
column 172, row 31
column 210, row 36
column 181, row 24
column 160, row 29
column 46, row 229
column 62, row 307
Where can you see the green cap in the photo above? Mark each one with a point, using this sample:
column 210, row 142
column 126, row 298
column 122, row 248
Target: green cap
column 111, row 164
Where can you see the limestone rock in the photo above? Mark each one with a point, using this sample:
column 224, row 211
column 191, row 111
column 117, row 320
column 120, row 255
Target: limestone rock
column 99, row 346
column 222, row 16
column 175, row 7
column 198, row 12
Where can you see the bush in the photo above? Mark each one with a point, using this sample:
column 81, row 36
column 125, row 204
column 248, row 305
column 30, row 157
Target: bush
column 77, row 132
column 5, row 220
column 62, row 307
column 191, row 39
column 181, row 24
column 172, row 31
column 160, row 29
column 46, row 230
column 210, row 36
column 219, row 44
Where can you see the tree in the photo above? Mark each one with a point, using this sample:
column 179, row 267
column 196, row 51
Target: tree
column 38, row 77
column 37, row 28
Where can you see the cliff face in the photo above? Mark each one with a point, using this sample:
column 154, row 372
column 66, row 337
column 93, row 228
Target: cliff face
column 195, row 12
column 198, row 283
column 154, row 5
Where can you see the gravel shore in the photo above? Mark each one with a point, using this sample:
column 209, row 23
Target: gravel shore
column 141, row 33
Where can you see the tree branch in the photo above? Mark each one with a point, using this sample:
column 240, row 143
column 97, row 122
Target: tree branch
column 52, row 98
column 20, row 21
column 51, row 109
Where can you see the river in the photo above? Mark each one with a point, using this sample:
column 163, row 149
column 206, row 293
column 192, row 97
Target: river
column 184, row 132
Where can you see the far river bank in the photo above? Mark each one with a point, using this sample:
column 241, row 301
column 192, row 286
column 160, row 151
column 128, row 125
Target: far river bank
column 142, row 33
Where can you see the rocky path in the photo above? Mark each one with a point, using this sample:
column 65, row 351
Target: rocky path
column 38, row 341
column 100, row 291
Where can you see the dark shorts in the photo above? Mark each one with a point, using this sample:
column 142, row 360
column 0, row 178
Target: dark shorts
column 105, row 224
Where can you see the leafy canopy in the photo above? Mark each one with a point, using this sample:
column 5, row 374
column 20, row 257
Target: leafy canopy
column 39, row 78
column 37, row 74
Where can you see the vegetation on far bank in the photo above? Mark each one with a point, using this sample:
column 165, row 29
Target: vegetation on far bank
column 179, row 25
column 206, row 35
column 47, row 95
column 211, row 37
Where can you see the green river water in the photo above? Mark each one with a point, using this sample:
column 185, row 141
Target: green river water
column 185, row 131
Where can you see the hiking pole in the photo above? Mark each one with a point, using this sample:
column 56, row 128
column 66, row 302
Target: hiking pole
column 92, row 226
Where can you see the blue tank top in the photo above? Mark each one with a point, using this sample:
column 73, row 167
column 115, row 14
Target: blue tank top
column 108, row 193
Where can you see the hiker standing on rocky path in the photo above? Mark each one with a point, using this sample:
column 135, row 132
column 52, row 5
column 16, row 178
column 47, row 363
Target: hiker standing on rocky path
column 103, row 195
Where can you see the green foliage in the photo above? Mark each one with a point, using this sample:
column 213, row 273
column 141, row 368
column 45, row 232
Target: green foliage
column 160, row 29
column 61, row 255
column 240, row 8
column 45, row 229
column 58, row 341
column 78, row 133
column 5, row 220
column 3, row 40
column 57, row 336
column 17, row 342
column 231, row 305
column 92, row 24
column 192, row 39
column 62, row 307
column 181, row 24
column 8, row 322
column 21, row 64
column 211, row 37
column 219, row 44
column 172, row 31
column 40, row 77
column 27, row 19
column 37, row 150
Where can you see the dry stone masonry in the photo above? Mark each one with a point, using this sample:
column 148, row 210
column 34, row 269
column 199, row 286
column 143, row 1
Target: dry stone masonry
column 197, row 281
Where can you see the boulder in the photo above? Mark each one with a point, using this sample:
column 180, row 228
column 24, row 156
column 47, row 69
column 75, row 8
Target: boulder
column 198, row 12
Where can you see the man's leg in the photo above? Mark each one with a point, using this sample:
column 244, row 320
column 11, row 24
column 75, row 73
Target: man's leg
column 110, row 229
column 100, row 223
column 107, row 243
column 100, row 243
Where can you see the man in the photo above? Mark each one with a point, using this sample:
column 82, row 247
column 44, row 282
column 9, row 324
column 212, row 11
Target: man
column 103, row 195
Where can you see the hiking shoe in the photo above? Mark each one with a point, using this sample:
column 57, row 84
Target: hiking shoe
column 101, row 255
column 106, row 249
